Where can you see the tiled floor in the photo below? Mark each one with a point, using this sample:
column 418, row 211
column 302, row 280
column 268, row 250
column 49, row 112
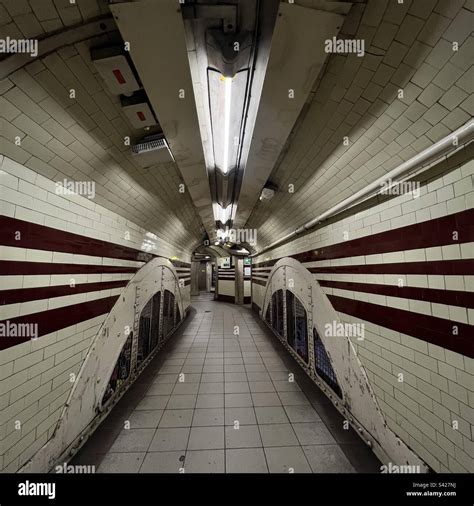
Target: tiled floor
column 215, row 402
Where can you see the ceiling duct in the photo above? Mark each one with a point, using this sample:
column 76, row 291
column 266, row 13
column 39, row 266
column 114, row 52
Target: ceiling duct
column 152, row 150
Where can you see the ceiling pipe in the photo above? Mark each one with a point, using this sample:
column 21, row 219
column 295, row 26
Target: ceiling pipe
column 456, row 139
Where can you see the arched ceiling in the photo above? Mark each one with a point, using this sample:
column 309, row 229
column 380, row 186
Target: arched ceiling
column 408, row 47
column 83, row 138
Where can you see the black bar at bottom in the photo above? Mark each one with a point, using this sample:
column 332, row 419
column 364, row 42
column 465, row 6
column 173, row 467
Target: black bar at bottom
column 242, row 490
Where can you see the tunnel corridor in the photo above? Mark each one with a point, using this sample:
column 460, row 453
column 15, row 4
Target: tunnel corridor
column 232, row 411
column 237, row 238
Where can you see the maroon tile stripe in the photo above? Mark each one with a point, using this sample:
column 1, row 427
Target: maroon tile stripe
column 436, row 267
column 427, row 328
column 34, row 236
column 19, row 268
column 57, row 319
column 428, row 234
column 47, row 292
column 259, row 282
column 451, row 297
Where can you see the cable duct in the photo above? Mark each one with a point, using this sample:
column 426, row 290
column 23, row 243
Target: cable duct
column 419, row 163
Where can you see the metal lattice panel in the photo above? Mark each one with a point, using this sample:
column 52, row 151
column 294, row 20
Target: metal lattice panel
column 323, row 365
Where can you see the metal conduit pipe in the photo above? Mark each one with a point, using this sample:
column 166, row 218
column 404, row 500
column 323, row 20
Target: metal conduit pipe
column 455, row 140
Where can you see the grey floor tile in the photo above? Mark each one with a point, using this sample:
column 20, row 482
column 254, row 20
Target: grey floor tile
column 313, row 433
column 121, row 463
column 302, row 413
column 258, row 376
column 170, row 369
column 286, row 386
column 261, row 386
column 163, row 462
column 233, row 361
column 153, row 402
column 186, row 388
column 288, row 459
column 271, row 414
column 144, row 419
column 206, row 438
column 327, row 459
column 165, row 378
column 133, row 440
column 245, row 416
column 246, row 460
column 176, row 418
column 190, row 377
column 174, row 361
column 208, row 417
column 211, row 377
column 234, row 368
column 211, row 388
column 169, row 439
column 181, row 401
column 213, row 369
column 189, row 368
column 235, row 376
column 278, row 375
column 293, row 398
column 266, row 399
column 246, row 436
column 210, row 401
column 238, row 400
column 278, row 434
column 238, row 387
column 204, row 461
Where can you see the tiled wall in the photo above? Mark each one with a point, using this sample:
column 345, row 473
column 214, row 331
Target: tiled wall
column 226, row 284
column 364, row 258
column 64, row 270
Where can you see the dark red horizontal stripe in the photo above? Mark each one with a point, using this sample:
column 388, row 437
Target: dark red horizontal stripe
column 49, row 292
column 23, row 234
column 57, row 319
column 259, row 282
column 451, row 297
column 428, row 234
column 435, row 267
column 431, row 329
column 18, row 268
column 187, row 282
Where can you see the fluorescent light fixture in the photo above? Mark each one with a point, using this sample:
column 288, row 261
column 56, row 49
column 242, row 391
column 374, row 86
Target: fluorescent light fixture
column 226, row 100
column 222, row 214
column 228, row 96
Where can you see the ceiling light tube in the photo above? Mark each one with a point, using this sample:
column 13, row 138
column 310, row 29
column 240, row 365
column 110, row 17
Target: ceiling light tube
column 226, row 101
column 228, row 97
column 222, row 214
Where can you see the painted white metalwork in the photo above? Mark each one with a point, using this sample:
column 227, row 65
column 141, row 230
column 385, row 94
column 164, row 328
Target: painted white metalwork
column 83, row 411
column 359, row 404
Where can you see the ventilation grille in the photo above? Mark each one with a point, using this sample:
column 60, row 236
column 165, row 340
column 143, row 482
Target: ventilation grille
column 146, row 146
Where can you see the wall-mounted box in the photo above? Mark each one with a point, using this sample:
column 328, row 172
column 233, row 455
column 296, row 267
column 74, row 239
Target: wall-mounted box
column 113, row 66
